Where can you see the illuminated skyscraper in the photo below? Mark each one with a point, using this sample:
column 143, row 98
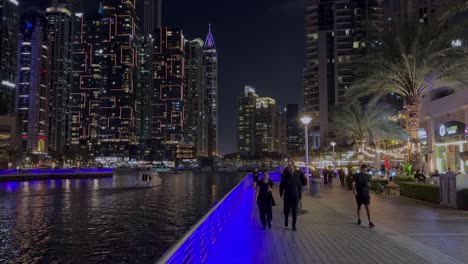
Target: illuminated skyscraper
column 145, row 97
column 168, row 103
column 268, row 134
column 73, row 6
column 195, row 114
column 261, row 129
column 295, row 134
column 9, row 24
column 246, row 122
column 33, row 82
column 60, row 31
column 210, row 63
column 149, row 12
column 104, row 108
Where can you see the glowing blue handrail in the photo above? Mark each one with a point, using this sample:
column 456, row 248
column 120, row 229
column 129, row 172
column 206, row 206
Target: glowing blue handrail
column 195, row 246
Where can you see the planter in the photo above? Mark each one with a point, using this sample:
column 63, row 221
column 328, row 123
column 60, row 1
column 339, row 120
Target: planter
column 314, row 187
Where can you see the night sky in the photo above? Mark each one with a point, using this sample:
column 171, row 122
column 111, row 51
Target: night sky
column 260, row 43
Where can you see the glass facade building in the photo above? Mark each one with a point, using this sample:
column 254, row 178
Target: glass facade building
column 60, row 37
column 210, row 62
column 33, row 83
column 104, row 109
column 9, row 25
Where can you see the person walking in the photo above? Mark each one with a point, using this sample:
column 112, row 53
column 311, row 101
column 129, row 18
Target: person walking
column 265, row 199
column 325, row 175
column 330, row 175
column 291, row 193
column 361, row 192
column 255, row 175
column 342, row 177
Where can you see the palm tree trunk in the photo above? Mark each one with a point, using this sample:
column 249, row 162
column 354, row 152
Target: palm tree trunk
column 361, row 145
column 414, row 108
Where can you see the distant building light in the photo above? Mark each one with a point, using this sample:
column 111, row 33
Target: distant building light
column 9, row 84
column 78, row 14
column 14, row 2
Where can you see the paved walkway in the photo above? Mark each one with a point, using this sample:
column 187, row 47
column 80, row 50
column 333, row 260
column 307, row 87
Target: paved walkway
column 327, row 233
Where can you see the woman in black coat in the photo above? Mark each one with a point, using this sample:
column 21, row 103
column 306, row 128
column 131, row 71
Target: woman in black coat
column 265, row 199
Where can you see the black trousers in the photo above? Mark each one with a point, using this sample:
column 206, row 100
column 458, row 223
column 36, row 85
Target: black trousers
column 266, row 213
column 291, row 204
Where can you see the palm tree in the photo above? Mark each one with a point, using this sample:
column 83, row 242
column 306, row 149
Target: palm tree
column 412, row 61
column 452, row 9
column 365, row 124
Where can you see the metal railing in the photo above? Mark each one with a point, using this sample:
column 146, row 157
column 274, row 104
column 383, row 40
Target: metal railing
column 196, row 245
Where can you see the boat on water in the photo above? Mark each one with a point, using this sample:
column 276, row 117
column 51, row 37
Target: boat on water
column 144, row 177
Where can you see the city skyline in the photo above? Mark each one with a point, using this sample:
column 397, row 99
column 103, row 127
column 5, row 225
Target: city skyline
column 269, row 50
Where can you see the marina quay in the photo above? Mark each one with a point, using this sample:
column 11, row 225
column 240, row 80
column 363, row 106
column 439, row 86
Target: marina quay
column 407, row 231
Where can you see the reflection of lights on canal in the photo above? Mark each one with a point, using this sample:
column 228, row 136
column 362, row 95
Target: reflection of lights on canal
column 213, row 192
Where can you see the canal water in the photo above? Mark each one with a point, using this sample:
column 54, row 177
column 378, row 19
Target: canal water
column 87, row 221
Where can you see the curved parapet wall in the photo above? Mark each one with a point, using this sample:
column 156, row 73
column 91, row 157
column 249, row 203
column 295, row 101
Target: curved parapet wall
column 197, row 246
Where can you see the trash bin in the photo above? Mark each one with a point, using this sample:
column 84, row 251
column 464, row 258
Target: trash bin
column 314, row 187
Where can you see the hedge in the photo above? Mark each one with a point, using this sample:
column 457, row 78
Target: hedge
column 400, row 179
column 465, row 193
column 463, row 204
column 420, row 191
column 374, row 183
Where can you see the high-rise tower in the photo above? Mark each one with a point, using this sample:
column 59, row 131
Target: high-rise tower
column 104, row 110
column 60, row 31
column 210, row 62
column 33, row 83
column 73, row 6
column 149, row 12
column 168, row 103
column 9, row 24
column 335, row 32
column 196, row 131
column 336, row 36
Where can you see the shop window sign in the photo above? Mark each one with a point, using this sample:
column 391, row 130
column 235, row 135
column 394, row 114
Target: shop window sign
column 452, row 128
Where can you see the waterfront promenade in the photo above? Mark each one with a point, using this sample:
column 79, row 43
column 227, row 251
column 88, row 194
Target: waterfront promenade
column 407, row 231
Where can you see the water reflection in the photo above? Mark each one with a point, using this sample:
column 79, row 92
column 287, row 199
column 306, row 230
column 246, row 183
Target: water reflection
column 76, row 220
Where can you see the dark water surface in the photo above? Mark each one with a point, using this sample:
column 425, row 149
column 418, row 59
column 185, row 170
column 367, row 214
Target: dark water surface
column 86, row 221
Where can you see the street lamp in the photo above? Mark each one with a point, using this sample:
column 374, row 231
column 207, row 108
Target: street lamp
column 333, row 144
column 306, row 120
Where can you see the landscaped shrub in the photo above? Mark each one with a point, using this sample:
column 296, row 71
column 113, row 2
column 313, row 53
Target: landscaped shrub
column 463, row 204
column 400, row 179
column 420, row 191
column 465, row 193
column 375, row 183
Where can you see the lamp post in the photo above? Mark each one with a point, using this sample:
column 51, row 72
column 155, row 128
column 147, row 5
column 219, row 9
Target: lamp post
column 333, row 144
column 306, row 120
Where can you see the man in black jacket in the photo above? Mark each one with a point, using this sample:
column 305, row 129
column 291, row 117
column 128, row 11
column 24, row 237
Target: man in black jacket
column 291, row 193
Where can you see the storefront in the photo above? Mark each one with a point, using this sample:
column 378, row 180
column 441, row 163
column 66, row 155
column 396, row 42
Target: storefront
column 443, row 132
column 450, row 141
